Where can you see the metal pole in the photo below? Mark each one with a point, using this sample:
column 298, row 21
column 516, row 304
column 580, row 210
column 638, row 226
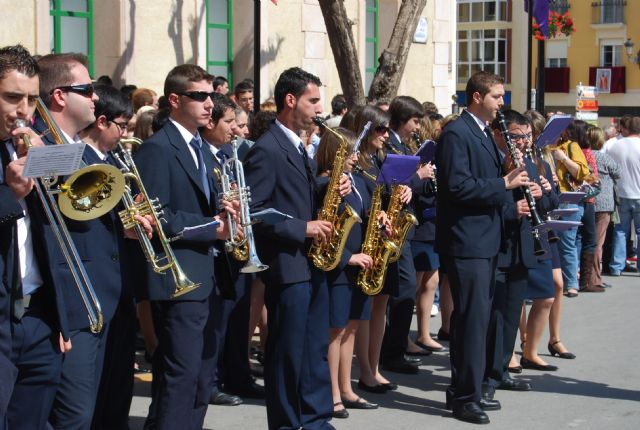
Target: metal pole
column 540, row 78
column 256, row 54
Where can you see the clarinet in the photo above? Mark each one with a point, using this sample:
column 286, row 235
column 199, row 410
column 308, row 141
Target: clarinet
column 536, row 220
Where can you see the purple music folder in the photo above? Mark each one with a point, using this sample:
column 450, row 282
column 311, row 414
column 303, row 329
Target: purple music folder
column 426, row 152
column 563, row 212
column 553, row 130
column 397, row 169
column 574, row 197
column 559, row 225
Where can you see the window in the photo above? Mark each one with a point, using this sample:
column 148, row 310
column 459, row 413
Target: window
column 560, row 6
column 220, row 39
column 482, row 10
column 556, row 62
column 608, row 11
column 371, row 42
column 482, row 50
column 72, row 27
column 611, row 53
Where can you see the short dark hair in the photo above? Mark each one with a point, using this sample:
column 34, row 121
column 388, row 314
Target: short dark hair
column 338, row 104
column 243, row 87
column 511, row 117
column 260, row 123
column 481, row 82
column 128, row 90
column 221, row 104
column 179, row 78
column 111, row 103
column 104, row 80
column 218, row 81
column 633, row 125
column 402, row 109
column 18, row 58
column 55, row 71
column 293, row 81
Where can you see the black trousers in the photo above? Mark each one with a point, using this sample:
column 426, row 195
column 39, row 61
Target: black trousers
column 511, row 287
column 472, row 283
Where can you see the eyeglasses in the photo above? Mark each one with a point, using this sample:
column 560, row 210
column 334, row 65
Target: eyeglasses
column 513, row 136
column 86, row 90
column 122, row 126
column 198, row 96
column 381, row 129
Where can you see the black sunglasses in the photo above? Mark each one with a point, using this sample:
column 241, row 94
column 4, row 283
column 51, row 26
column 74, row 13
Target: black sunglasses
column 199, row 96
column 86, row 90
column 381, row 129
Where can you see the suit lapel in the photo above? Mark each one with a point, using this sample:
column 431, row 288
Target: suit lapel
column 293, row 155
column 485, row 141
column 184, row 155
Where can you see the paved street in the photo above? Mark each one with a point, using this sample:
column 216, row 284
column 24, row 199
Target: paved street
column 599, row 390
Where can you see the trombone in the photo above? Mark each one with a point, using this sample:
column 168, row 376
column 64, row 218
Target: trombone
column 245, row 248
column 147, row 206
column 89, row 193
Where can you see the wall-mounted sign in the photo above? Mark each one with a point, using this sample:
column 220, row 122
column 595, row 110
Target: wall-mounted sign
column 422, row 31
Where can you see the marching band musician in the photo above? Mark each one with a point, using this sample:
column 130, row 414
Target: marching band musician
column 34, row 333
column 471, row 193
column 173, row 165
column 280, row 175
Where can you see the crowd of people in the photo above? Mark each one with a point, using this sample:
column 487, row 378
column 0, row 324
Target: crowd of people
column 462, row 236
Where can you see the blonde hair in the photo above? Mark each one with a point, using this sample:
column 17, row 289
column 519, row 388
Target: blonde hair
column 595, row 137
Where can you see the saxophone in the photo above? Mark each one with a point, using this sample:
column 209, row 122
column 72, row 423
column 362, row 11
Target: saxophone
column 377, row 247
column 326, row 256
column 401, row 222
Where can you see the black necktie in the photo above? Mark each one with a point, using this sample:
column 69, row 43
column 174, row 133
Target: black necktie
column 307, row 168
column 196, row 144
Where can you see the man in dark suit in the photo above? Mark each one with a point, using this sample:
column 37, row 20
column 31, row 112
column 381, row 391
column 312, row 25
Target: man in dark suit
column 173, row 166
column 31, row 303
column 298, row 389
column 514, row 261
column 471, row 193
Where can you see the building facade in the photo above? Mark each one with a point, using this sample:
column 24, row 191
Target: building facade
column 139, row 41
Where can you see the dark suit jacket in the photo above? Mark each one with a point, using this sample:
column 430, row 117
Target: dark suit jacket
column 170, row 174
column 471, row 192
column 275, row 171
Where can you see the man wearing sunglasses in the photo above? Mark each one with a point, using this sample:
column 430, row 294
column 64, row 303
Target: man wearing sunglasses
column 174, row 166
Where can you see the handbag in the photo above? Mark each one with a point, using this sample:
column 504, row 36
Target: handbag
column 591, row 185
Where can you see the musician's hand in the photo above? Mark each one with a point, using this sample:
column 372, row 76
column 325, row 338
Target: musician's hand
column 231, row 207
column 425, row 171
column 65, row 345
column 508, row 160
column 318, row 230
column 146, row 222
column 385, row 222
column 222, row 232
column 345, row 185
column 20, row 185
column 522, row 208
column 546, row 185
column 405, row 195
column 362, row 260
column 19, row 143
column 536, row 190
column 516, row 178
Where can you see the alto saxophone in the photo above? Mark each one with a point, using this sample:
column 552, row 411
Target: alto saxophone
column 326, row 256
column 401, row 222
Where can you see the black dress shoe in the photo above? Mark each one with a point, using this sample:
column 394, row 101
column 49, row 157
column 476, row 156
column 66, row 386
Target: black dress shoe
column 528, row 364
column 391, row 386
column 413, row 360
column 430, row 348
column 421, row 353
column 514, row 385
column 359, row 403
column 489, row 405
column 400, row 365
column 443, row 335
column 376, row 389
column 340, row 413
column 251, row 391
column 515, row 369
column 470, row 412
column 553, row 351
column 224, row 399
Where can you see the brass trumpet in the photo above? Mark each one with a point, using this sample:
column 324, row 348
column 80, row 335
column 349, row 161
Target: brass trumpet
column 148, row 206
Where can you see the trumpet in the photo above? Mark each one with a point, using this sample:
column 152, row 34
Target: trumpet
column 243, row 249
column 148, row 206
column 89, row 193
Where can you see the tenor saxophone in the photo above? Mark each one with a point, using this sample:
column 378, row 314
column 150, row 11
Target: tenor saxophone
column 326, row 256
column 378, row 247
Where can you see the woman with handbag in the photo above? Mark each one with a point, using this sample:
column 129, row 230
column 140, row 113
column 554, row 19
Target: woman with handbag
column 571, row 168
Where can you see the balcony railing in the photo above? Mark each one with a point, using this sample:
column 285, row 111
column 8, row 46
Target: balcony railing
column 608, row 11
column 560, row 6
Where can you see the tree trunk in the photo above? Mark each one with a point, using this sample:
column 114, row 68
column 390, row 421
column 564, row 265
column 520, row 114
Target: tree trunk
column 344, row 50
column 394, row 58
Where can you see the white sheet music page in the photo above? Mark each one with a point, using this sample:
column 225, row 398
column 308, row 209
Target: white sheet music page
column 53, row 160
